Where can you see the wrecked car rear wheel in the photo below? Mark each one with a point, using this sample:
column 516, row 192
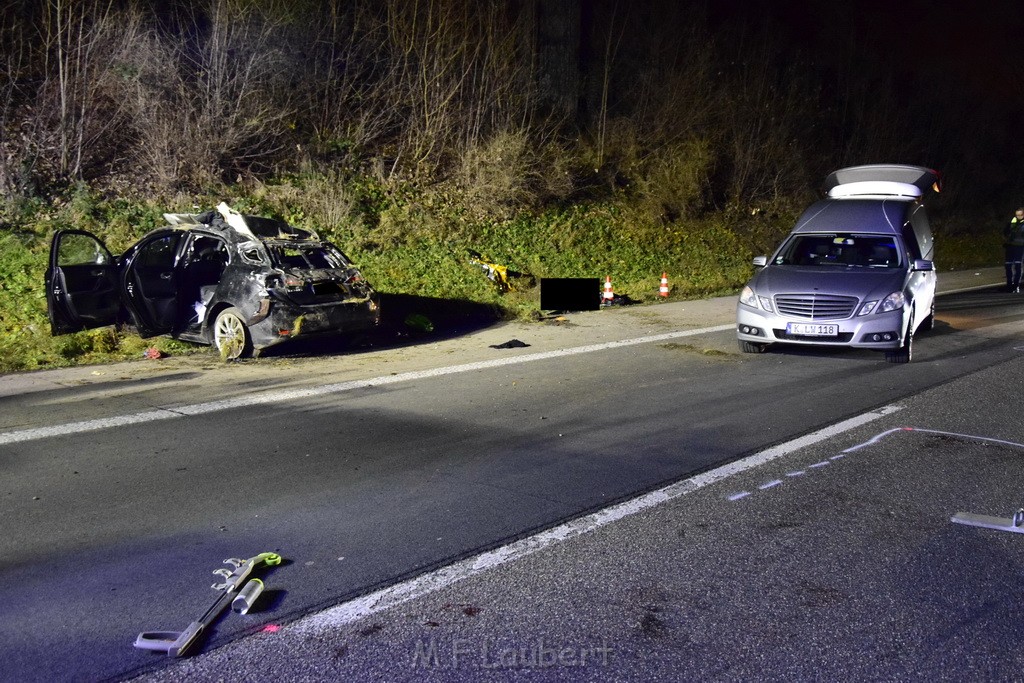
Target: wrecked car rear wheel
column 230, row 335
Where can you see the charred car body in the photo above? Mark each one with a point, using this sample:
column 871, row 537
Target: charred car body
column 242, row 283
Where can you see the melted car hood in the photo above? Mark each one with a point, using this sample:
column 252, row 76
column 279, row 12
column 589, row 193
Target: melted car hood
column 863, row 283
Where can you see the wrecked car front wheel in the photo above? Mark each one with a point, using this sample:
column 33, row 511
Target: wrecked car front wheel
column 231, row 336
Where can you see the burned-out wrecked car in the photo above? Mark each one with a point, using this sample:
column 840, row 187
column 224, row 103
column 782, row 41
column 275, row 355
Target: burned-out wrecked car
column 242, row 283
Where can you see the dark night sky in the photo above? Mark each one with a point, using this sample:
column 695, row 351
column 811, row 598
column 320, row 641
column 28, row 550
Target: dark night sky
column 979, row 44
column 957, row 66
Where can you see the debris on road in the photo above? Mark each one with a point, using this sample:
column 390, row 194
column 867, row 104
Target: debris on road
column 1014, row 523
column 175, row 643
column 245, row 599
column 510, row 344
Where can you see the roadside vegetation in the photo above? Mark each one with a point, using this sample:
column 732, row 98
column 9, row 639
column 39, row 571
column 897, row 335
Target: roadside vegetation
column 411, row 132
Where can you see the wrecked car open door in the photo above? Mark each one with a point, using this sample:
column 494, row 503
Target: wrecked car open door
column 81, row 283
column 151, row 283
column 86, row 287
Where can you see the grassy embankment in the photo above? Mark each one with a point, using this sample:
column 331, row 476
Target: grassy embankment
column 409, row 242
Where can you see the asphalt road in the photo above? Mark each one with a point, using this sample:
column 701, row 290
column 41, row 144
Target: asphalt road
column 834, row 561
column 363, row 480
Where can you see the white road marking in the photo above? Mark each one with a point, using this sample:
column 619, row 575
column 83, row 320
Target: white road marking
column 879, row 437
column 385, row 598
column 875, row 439
column 285, row 395
column 965, row 436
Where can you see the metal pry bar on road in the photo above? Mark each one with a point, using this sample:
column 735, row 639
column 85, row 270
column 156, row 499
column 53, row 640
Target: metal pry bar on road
column 174, row 643
column 1014, row 524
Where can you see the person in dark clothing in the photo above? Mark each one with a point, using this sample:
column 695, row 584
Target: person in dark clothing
column 1013, row 241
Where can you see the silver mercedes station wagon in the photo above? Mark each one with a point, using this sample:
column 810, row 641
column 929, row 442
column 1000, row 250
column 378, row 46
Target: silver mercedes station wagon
column 856, row 271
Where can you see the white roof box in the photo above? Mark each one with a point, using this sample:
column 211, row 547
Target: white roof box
column 875, row 188
column 891, row 180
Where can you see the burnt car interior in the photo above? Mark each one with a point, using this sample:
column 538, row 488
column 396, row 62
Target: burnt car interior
column 268, row 228
column 204, row 262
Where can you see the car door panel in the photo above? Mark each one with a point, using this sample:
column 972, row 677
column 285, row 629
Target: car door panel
column 922, row 288
column 151, row 283
column 81, row 283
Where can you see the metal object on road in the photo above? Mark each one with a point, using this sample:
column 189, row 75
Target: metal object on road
column 247, row 596
column 1014, row 524
column 175, row 643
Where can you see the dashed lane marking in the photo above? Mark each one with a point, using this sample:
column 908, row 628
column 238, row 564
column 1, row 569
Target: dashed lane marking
column 870, row 442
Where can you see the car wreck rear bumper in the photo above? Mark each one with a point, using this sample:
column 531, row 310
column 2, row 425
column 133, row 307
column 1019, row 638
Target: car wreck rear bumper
column 280, row 321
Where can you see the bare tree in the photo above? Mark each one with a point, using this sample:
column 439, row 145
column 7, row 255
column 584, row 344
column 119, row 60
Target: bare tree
column 215, row 106
column 60, row 105
column 13, row 62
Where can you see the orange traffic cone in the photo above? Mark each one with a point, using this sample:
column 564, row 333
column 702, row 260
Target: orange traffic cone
column 663, row 290
column 608, row 295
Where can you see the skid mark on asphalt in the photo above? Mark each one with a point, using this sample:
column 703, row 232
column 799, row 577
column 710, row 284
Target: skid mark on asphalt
column 870, row 442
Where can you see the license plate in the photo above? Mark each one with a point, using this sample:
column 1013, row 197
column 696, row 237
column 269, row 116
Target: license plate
column 812, row 330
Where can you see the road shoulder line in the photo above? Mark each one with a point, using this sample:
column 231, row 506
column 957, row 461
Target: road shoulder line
column 405, row 591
